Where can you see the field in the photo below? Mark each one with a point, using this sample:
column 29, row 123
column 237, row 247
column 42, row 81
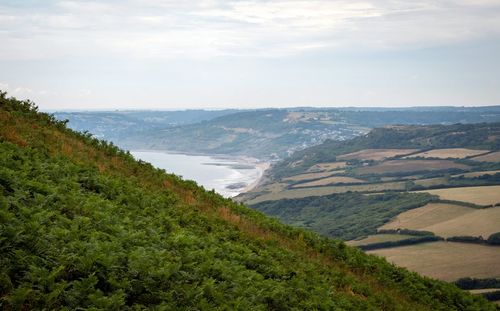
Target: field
column 429, row 182
column 375, row 154
column 319, row 191
column 396, row 166
column 477, row 174
column 446, row 261
column 457, row 153
column 329, row 166
column 490, row 157
column 377, row 238
column 308, row 176
column 330, row 180
column 484, row 195
column 448, row 220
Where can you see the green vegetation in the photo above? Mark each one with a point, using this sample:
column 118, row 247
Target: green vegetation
column 346, row 216
column 474, row 136
column 85, row 226
column 409, row 241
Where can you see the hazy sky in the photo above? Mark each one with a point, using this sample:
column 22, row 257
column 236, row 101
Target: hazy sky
column 192, row 54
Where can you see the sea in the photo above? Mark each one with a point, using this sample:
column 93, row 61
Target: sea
column 227, row 175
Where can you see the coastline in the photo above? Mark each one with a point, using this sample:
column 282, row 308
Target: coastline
column 237, row 174
column 262, row 167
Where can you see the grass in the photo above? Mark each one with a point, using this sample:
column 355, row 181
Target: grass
column 446, row 261
column 320, row 191
column 490, row 157
column 329, row 166
column 449, row 220
column 483, row 195
column 330, row 180
column 307, row 176
column 397, row 166
column 429, row 182
column 377, row 238
column 477, row 174
column 457, row 153
column 375, row 154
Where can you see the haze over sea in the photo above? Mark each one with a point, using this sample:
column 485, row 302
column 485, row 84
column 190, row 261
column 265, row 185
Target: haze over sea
column 227, row 175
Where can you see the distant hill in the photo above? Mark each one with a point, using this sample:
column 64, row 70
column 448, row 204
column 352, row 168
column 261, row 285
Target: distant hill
column 85, row 226
column 263, row 133
column 475, row 136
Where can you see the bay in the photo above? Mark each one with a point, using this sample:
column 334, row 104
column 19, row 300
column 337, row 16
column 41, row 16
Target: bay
column 227, row 175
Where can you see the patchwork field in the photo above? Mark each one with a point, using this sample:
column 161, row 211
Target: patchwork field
column 446, row 261
column 456, row 153
column 477, row 174
column 449, row 220
column 483, row 195
column 490, row 157
column 330, row 180
column 375, row 154
column 396, row 166
column 331, row 166
column 377, row 238
column 429, row 182
column 318, row 191
column 307, row 176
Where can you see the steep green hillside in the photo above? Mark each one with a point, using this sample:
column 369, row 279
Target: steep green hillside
column 85, row 226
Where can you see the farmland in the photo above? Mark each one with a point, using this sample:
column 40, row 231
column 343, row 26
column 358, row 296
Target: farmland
column 327, row 166
column 319, row 191
column 484, row 195
column 308, row 176
column 330, row 180
column 377, row 238
column 405, row 166
column 490, row 157
column 447, row 220
column 446, row 261
column 375, row 154
column 457, row 153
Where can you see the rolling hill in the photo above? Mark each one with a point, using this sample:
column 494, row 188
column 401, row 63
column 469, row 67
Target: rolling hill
column 85, row 226
column 261, row 133
column 424, row 197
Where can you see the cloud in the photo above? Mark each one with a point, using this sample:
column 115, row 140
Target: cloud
column 201, row 29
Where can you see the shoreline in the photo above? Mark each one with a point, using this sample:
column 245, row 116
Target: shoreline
column 251, row 170
column 262, row 167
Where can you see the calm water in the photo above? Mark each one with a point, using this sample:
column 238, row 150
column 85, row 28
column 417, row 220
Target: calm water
column 228, row 176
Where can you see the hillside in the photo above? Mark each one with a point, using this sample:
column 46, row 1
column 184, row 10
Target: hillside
column 85, row 226
column 262, row 133
column 424, row 197
column 422, row 137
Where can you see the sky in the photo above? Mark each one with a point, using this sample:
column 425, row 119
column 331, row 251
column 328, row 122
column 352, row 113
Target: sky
column 157, row 54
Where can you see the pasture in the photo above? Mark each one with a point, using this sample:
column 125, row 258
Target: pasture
column 375, row 154
column 330, row 180
column 482, row 195
column 490, row 157
column 329, row 166
column 449, row 220
column 447, row 261
column 477, row 174
column 405, row 166
column 307, row 176
column 456, row 153
column 319, row 191
column 377, row 238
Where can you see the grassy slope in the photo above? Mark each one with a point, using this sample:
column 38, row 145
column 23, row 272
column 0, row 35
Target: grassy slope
column 84, row 225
